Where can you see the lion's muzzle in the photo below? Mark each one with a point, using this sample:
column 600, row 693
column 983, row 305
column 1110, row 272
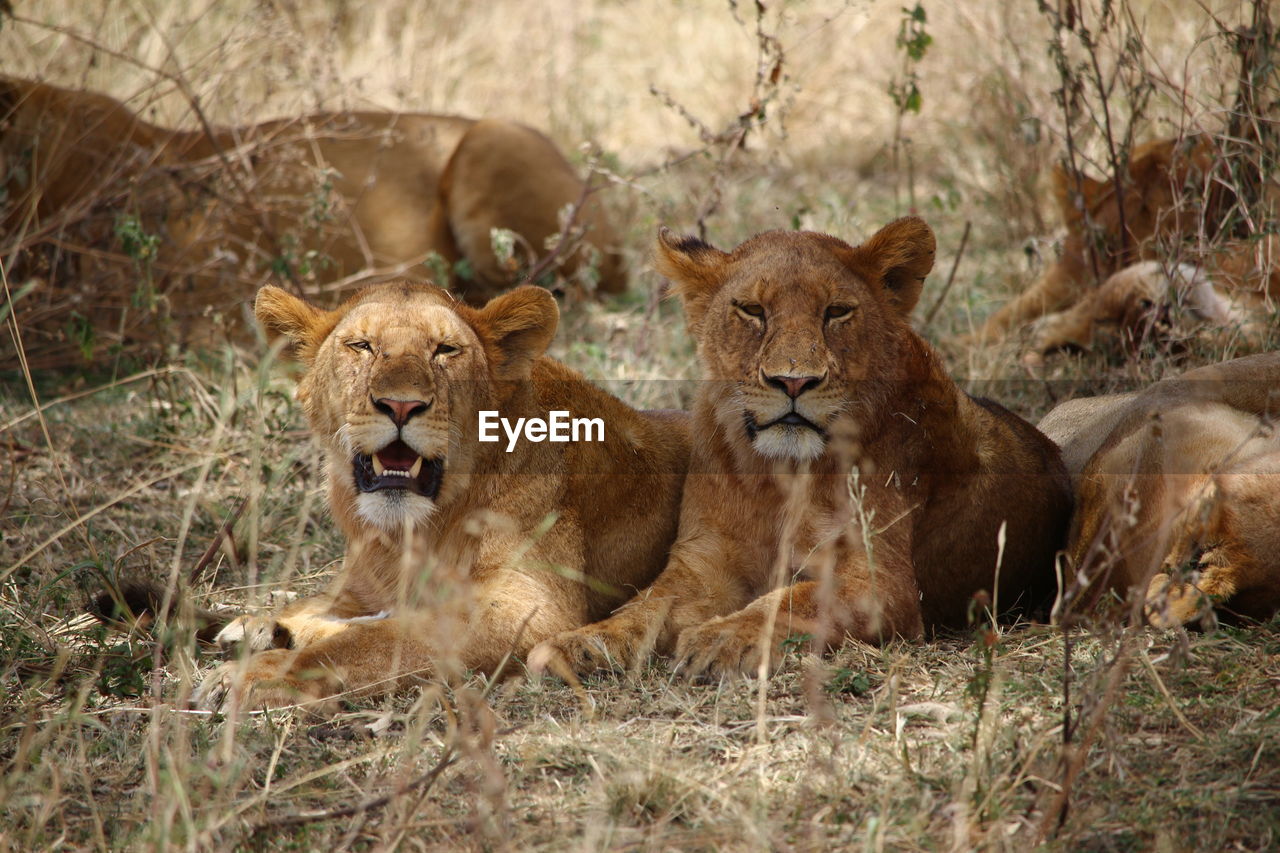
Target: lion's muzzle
column 398, row 466
column 790, row 419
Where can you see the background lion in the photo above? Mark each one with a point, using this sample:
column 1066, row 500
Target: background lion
column 1131, row 252
column 459, row 553
column 114, row 215
column 1177, row 493
column 845, row 486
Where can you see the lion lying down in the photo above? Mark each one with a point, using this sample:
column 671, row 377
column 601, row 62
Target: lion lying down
column 1175, row 195
column 459, row 552
column 338, row 198
column 1228, row 297
column 1178, row 492
column 840, row 485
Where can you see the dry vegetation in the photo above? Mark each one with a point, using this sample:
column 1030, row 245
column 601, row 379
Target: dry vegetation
column 1092, row 739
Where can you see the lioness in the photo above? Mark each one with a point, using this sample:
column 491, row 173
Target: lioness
column 1179, row 493
column 340, row 198
column 457, row 549
column 1114, row 267
column 1231, row 297
column 841, row 485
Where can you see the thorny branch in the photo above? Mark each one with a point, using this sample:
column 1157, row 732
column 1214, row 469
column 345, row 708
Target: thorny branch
column 767, row 87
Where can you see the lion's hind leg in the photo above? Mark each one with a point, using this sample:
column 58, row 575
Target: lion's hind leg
column 1233, row 550
column 1055, row 290
column 506, row 176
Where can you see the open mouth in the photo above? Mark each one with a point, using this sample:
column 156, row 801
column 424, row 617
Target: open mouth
column 398, row 466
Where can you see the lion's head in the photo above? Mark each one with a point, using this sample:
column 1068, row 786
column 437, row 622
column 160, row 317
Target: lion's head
column 795, row 327
column 395, row 378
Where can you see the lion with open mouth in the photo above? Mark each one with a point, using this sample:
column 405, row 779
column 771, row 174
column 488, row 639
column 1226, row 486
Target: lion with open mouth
column 460, row 553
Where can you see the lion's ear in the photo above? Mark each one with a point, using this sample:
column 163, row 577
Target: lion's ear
column 519, row 325
column 696, row 270
column 283, row 314
column 902, row 252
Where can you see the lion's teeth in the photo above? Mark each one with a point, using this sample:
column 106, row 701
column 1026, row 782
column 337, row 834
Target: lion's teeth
column 378, row 467
column 417, row 467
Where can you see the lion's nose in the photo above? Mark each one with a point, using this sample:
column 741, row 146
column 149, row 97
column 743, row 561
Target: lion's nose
column 400, row 411
column 794, row 386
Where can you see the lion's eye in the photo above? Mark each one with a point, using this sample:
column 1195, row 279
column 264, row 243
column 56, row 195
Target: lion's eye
column 839, row 312
column 362, row 346
column 750, row 309
column 445, row 349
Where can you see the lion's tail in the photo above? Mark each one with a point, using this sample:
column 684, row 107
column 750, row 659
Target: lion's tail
column 138, row 602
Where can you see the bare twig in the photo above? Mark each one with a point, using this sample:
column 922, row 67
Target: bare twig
column 88, row 392
column 223, row 532
column 766, row 89
column 567, row 234
column 951, row 277
column 1118, row 159
column 1168, row 697
column 1073, row 756
column 447, row 759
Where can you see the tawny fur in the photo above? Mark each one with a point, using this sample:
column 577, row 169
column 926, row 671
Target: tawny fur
column 1179, row 501
column 1174, row 195
column 516, row 547
column 770, row 544
column 350, row 194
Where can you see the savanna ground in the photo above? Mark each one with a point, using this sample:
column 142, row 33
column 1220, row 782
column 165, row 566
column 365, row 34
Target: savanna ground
column 707, row 117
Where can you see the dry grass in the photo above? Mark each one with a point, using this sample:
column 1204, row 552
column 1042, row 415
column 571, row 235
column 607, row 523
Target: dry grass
column 951, row 744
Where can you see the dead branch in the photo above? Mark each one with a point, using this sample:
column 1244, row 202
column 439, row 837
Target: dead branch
column 951, row 277
column 218, row 538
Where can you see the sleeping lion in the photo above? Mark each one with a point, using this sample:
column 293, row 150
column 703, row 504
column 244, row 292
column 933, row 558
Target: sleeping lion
column 114, row 215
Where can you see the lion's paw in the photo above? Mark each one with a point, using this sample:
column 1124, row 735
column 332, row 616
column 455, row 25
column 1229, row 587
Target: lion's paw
column 584, row 651
column 255, row 633
column 732, row 645
column 265, row 680
column 1170, row 603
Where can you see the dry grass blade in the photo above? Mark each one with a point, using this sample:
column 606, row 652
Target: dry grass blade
column 130, row 492
column 422, row 784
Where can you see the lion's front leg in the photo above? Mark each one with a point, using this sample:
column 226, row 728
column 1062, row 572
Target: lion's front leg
column 739, row 643
column 1173, row 598
column 513, row 613
column 265, row 679
column 300, row 623
column 1054, row 291
column 1064, row 330
column 619, row 642
column 688, row 592
column 863, row 606
column 507, row 614
column 357, row 657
